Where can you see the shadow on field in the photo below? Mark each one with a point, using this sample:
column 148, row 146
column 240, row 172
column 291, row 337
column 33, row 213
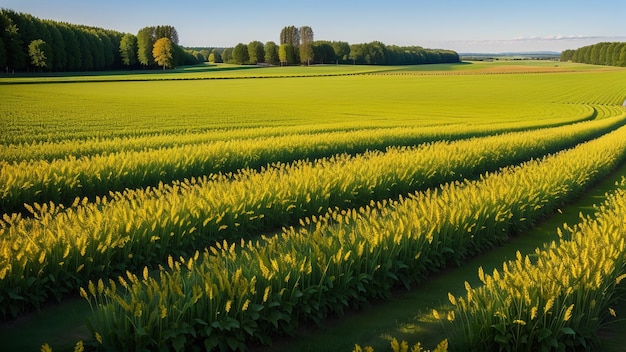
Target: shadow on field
column 184, row 69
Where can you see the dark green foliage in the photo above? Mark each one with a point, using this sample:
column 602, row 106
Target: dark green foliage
column 57, row 45
column 227, row 55
column 287, row 54
column 215, row 56
column 256, row 52
column 145, row 42
column 377, row 53
column 15, row 56
column 271, row 53
column 306, row 44
column 76, row 47
column 323, row 52
column 72, row 49
column 128, row 49
column 240, row 54
column 342, row 51
column 610, row 54
column 290, row 35
column 3, row 54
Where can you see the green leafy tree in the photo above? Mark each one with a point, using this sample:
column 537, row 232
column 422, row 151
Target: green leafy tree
column 109, row 51
column 612, row 56
column 323, row 52
column 256, row 52
column 146, row 37
column 290, row 35
column 166, row 32
column 97, row 49
column 271, row 53
column 86, row 62
column 15, row 55
column 286, row 54
column 306, row 44
column 128, row 49
column 240, row 54
column 40, row 53
column 72, row 49
column 342, row 51
column 24, row 30
column 163, row 52
column 58, row 46
column 357, row 53
column 227, row 55
column 3, row 54
column 622, row 56
column 215, row 56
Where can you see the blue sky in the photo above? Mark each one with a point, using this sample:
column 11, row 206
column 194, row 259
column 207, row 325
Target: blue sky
column 464, row 26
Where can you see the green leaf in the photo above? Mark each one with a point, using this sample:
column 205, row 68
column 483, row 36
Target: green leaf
column 211, row 342
column 568, row 331
column 543, row 334
column 179, row 342
column 201, row 322
column 233, row 343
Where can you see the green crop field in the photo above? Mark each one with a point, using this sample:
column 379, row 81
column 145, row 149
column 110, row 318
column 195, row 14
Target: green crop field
column 226, row 207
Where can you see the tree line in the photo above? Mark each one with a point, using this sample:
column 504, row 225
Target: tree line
column 28, row 43
column 605, row 53
column 297, row 46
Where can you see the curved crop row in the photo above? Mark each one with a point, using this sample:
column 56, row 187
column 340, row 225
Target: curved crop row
column 32, row 150
column 233, row 295
column 557, row 300
column 60, row 181
column 58, row 248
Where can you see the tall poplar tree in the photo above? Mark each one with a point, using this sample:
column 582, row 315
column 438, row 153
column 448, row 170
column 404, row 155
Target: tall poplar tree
column 3, row 54
column 146, row 37
column 128, row 49
column 290, row 35
column 271, row 53
column 15, row 55
column 306, row 44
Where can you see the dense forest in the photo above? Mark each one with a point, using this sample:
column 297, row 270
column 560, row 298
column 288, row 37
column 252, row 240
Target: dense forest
column 31, row 44
column 605, row 53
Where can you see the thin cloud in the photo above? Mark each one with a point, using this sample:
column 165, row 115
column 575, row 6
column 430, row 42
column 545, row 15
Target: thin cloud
column 568, row 37
column 555, row 43
column 537, row 39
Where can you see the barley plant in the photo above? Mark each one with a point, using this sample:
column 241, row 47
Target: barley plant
column 60, row 248
column 555, row 300
column 239, row 292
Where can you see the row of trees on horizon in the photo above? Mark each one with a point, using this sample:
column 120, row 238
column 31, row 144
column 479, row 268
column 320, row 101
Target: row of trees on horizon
column 28, row 44
column 297, row 46
column 605, row 53
column 31, row 44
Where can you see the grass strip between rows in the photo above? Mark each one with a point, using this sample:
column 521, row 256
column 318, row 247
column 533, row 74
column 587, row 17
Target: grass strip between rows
column 59, row 249
column 62, row 180
column 233, row 295
column 558, row 300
